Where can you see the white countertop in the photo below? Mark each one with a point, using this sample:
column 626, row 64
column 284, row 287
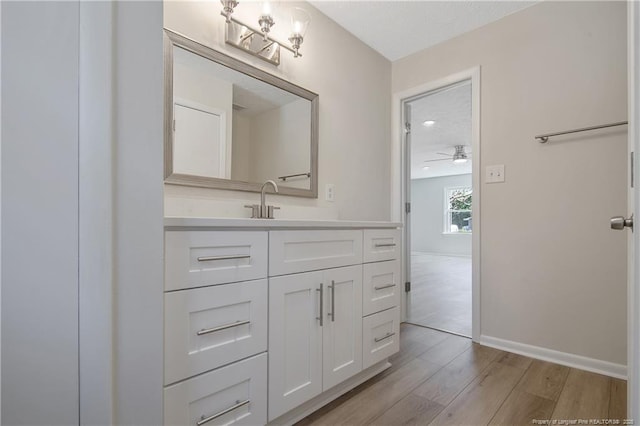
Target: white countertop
column 202, row 222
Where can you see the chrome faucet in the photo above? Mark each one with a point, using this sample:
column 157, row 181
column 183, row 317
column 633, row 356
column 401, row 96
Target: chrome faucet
column 263, row 211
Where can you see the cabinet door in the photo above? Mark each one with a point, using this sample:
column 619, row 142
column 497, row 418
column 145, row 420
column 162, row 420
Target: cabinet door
column 295, row 341
column 342, row 331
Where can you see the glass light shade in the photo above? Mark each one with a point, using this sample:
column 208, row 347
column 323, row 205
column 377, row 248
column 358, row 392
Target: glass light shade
column 267, row 8
column 460, row 160
column 300, row 20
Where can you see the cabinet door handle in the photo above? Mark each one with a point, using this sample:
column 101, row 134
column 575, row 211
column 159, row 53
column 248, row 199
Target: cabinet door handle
column 321, row 304
column 380, row 339
column 384, row 286
column 386, row 245
column 228, row 257
column 333, row 301
column 222, row 327
column 238, row 404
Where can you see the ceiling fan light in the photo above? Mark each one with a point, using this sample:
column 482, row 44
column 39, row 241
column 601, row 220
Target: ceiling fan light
column 460, row 156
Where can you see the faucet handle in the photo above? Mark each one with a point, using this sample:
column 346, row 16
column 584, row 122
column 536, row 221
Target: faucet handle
column 270, row 210
column 254, row 210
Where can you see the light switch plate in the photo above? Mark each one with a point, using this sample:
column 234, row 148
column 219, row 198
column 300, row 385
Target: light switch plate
column 495, row 174
column 330, row 192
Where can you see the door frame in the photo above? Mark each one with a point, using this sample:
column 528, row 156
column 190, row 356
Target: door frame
column 400, row 179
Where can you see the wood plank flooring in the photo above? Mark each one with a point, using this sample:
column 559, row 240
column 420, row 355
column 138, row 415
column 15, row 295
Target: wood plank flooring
column 441, row 292
column 442, row 379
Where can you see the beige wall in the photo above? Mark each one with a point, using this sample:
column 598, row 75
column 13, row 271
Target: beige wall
column 553, row 274
column 353, row 82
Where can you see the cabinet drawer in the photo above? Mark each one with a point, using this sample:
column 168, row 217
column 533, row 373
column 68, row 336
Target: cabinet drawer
column 201, row 258
column 236, row 394
column 381, row 286
column 381, row 244
column 380, row 336
column 300, row 251
column 205, row 328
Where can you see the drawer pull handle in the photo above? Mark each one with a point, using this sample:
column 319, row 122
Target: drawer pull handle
column 222, row 327
column 229, row 257
column 204, row 419
column 386, row 245
column 380, row 339
column 384, row 286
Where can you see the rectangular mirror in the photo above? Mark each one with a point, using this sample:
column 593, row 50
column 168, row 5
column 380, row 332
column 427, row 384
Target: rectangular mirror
column 229, row 125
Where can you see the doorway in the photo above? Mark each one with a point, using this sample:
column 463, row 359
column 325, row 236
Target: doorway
column 441, row 190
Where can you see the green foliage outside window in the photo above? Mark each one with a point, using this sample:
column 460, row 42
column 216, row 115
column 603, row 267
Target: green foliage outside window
column 459, row 210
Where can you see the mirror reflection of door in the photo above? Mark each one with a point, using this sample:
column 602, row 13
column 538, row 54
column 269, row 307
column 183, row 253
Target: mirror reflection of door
column 200, row 143
column 228, row 125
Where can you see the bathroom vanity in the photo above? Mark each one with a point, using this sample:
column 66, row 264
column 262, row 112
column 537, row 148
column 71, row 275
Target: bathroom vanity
column 268, row 320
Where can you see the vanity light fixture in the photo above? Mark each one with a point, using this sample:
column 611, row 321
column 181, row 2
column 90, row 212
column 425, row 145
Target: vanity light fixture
column 247, row 38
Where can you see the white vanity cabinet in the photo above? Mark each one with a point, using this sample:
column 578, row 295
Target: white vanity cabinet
column 266, row 321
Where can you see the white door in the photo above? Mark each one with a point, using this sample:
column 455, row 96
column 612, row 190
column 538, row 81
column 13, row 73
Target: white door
column 295, row 340
column 199, row 140
column 342, row 331
column 633, row 309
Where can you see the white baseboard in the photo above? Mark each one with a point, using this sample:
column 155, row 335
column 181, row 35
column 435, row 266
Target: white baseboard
column 611, row 369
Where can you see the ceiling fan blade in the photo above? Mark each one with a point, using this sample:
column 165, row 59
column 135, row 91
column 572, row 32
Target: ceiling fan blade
column 442, row 153
column 440, row 159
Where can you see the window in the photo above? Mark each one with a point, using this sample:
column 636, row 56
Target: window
column 457, row 210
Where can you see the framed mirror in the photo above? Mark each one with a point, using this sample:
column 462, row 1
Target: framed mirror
column 229, row 125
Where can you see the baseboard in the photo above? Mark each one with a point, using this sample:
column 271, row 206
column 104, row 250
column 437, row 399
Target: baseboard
column 618, row 371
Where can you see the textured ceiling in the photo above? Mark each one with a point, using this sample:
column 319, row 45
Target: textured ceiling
column 451, row 110
column 399, row 28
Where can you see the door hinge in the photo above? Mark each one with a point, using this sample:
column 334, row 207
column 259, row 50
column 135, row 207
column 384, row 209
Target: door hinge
column 174, row 125
column 407, row 207
column 407, row 286
column 407, row 127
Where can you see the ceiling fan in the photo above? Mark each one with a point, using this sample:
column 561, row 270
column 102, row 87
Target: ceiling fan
column 459, row 156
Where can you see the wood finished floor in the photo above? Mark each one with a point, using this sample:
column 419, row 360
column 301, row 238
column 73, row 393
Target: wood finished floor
column 443, row 379
column 441, row 292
